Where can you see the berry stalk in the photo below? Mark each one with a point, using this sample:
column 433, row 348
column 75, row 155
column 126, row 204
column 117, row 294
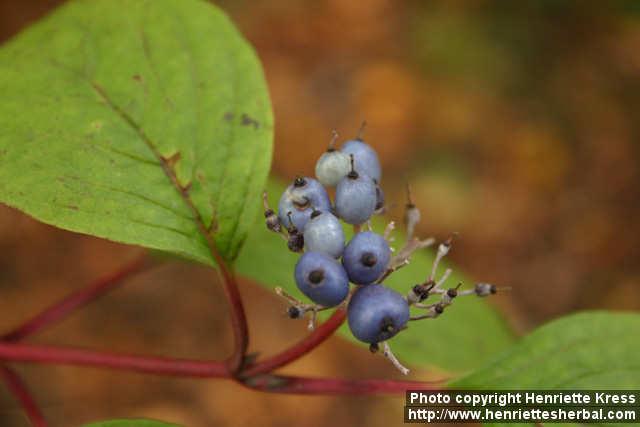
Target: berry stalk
column 310, row 342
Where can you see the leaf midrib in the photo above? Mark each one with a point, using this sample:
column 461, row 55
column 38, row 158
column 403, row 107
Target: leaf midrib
column 166, row 168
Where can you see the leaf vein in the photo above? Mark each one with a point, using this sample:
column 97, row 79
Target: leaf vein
column 182, row 192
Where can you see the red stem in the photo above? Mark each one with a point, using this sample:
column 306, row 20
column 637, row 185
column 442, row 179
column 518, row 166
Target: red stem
column 238, row 319
column 324, row 386
column 255, row 376
column 75, row 300
column 235, row 362
column 298, row 350
column 21, row 393
column 201, row 369
column 77, row 356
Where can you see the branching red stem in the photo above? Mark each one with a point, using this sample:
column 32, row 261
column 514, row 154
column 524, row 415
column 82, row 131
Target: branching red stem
column 201, row 369
column 78, row 356
column 256, row 376
column 75, row 300
column 329, row 386
column 19, row 389
column 238, row 318
column 235, row 362
column 311, row 341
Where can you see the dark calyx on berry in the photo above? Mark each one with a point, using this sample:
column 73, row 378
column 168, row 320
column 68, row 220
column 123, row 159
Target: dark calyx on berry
column 295, row 242
column 387, row 328
column 293, row 312
column 316, row 276
column 353, row 174
column 484, row 289
column 423, row 290
column 420, row 292
column 315, row 213
column 272, row 221
column 299, row 182
column 368, row 259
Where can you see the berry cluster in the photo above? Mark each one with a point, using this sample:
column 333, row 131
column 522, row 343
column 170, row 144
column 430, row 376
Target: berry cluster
column 310, row 223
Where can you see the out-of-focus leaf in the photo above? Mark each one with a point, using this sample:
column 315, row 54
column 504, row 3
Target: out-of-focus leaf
column 592, row 350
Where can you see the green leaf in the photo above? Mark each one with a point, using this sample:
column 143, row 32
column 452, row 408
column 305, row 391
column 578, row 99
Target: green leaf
column 591, row 350
column 143, row 122
column 130, row 423
column 468, row 334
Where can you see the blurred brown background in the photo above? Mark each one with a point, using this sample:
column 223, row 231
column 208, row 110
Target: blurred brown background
column 516, row 122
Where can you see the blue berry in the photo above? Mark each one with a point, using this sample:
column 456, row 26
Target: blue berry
column 333, row 165
column 301, row 198
column 356, row 197
column 322, row 279
column 366, row 257
column 323, row 233
column 376, row 313
column 366, row 158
